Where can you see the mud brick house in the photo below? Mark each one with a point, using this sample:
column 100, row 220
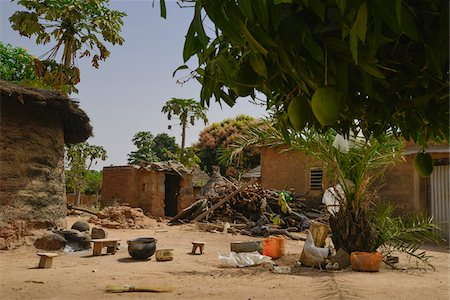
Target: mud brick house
column 34, row 126
column 159, row 188
column 401, row 185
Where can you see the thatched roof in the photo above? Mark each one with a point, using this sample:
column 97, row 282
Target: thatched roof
column 199, row 178
column 170, row 166
column 76, row 123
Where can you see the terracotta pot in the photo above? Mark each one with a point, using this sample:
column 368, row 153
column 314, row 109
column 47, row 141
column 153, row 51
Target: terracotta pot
column 365, row 261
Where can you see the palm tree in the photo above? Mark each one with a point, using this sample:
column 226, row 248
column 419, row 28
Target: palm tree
column 358, row 225
column 187, row 110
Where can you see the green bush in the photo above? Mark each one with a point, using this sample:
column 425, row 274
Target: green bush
column 16, row 64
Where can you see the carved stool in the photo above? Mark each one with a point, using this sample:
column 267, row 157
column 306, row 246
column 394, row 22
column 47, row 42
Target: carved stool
column 196, row 245
column 46, row 259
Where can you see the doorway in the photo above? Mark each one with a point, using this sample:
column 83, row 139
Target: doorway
column 172, row 190
column 440, row 198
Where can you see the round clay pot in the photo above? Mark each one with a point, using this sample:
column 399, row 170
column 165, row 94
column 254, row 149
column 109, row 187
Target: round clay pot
column 141, row 247
column 365, row 261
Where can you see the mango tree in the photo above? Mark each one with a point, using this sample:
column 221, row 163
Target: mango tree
column 376, row 65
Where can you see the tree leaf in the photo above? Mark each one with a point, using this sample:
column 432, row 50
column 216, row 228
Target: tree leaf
column 182, row 67
column 371, row 69
column 360, row 25
column 258, row 64
column 353, row 42
column 342, row 5
column 162, row 5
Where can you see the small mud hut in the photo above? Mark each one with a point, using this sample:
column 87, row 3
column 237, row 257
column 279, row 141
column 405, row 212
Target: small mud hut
column 159, row 188
column 34, row 126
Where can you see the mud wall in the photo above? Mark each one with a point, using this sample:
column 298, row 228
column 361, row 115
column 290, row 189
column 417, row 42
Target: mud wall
column 32, row 189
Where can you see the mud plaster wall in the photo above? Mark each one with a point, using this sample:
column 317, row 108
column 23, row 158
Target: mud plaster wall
column 186, row 196
column 32, row 189
column 141, row 188
column 403, row 186
column 288, row 169
column 118, row 185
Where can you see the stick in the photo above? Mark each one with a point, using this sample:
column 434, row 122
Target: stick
column 223, row 200
column 70, row 206
column 132, row 288
column 185, row 211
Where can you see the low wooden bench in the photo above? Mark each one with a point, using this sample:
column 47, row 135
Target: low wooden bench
column 199, row 245
column 46, row 259
column 109, row 243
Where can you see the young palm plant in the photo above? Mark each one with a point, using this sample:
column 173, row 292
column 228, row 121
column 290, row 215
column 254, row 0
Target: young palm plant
column 355, row 226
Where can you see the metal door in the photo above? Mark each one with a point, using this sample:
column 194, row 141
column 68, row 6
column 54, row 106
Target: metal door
column 440, row 198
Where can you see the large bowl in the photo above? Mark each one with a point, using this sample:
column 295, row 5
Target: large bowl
column 141, row 247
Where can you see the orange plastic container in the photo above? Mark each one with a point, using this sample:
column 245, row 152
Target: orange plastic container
column 365, row 261
column 273, row 246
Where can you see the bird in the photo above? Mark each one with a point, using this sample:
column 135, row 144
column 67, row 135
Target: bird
column 315, row 254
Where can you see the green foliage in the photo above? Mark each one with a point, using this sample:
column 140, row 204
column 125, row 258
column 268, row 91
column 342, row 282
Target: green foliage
column 395, row 234
column 388, row 59
column 215, row 138
column 165, row 147
column 75, row 25
column 15, row 63
column 143, row 140
column 80, row 158
column 93, row 182
column 187, row 111
column 153, row 148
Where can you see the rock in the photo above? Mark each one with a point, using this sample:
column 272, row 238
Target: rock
column 98, row 233
column 342, row 258
column 81, row 226
column 51, row 241
column 76, row 240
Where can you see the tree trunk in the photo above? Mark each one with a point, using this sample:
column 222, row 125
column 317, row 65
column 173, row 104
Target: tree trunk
column 352, row 231
column 78, row 201
column 183, row 139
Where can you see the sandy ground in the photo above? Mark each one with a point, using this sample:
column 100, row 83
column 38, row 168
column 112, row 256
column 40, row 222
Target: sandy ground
column 83, row 276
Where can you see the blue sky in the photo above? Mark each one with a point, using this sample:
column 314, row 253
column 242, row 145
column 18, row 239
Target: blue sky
column 126, row 94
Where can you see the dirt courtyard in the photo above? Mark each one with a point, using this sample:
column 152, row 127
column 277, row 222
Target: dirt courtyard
column 83, row 276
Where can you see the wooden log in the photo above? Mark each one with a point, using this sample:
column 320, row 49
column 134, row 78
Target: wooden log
column 223, row 200
column 186, row 211
column 70, row 206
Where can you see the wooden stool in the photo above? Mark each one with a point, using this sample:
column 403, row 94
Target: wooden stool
column 46, row 259
column 196, row 245
column 99, row 244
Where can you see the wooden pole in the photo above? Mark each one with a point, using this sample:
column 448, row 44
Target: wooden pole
column 225, row 199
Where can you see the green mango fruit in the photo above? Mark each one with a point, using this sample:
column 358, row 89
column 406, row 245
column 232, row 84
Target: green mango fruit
column 326, row 104
column 423, row 163
column 299, row 112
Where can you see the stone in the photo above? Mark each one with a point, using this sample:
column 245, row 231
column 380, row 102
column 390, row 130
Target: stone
column 76, row 240
column 98, row 233
column 342, row 258
column 50, row 241
column 81, row 226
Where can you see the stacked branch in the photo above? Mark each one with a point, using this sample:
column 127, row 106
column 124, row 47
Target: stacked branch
column 256, row 211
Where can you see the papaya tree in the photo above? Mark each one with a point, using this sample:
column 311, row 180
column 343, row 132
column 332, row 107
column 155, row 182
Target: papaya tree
column 187, row 111
column 76, row 28
column 376, row 65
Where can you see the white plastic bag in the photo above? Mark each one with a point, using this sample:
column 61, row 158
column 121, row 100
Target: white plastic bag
column 244, row 259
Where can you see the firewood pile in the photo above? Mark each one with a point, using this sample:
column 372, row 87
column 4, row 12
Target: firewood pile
column 248, row 209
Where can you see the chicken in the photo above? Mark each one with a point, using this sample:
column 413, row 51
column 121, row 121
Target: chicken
column 315, row 254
